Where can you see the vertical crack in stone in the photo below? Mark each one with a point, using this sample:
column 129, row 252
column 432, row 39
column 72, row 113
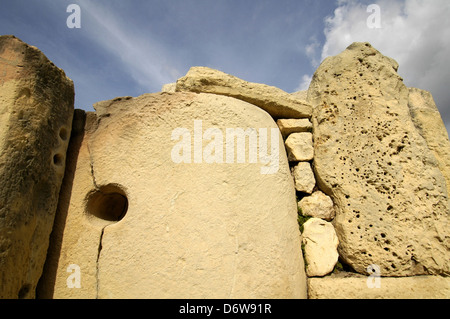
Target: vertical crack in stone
column 92, row 167
column 100, row 246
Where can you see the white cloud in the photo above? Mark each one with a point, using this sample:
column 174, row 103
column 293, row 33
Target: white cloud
column 416, row 33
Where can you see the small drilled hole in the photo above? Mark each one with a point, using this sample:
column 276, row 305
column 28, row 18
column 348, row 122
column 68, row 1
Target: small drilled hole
column 58, row 160
column 24, row 291
column 63, row 134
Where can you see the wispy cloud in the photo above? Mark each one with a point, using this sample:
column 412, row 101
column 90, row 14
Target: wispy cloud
column 141, row 55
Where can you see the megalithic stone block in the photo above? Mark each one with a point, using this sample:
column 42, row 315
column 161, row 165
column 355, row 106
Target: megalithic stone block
column 276, row 102
column 392, row 207
column 36, row 110
column 207, row 229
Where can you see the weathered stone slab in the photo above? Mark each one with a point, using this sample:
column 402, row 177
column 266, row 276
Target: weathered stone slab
column 354, row 286
column 36, row 109
column 289, row 126
column 278, row 103
column 429, row 123
column 390, row 195
column 191, row 229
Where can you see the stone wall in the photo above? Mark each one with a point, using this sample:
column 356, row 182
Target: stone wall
column 139, row 223
column 221, row 188
column 380, row 154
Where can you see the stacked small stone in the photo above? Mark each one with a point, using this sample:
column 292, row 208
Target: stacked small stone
column 319, row 237
column 300, row 149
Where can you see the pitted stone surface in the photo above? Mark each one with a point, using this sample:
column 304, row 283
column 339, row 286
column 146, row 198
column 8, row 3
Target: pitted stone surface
column 391, row 198
column 36, row 109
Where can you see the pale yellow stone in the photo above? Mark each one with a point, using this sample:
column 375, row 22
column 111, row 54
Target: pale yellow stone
column 169, row 88
column 304, row 177
column 391, row 200
column 353, row 286
column 317, row 205
column 289, row 126
column 428, row 121
column 192, row 230
column 299, row 147
column 320, row 242
column 278, row 103
column 301, row 95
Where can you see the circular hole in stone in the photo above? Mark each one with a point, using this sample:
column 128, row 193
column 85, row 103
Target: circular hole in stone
column 63, row 134
column 108, row 203
column 58, row 159
column 24, row 291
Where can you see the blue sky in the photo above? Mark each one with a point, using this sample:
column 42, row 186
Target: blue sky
column 131, row 47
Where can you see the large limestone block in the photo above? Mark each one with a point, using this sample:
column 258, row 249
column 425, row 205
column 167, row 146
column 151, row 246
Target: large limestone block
column 275, row 101
column 36, row 109
column 391, row 198
column 429, row 123
column 354, row 286
column 193, row 228
column 321, row 243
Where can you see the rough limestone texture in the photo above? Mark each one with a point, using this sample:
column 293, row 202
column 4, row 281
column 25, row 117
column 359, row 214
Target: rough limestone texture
column 278, row 103
column 300, row 147
column 289, row 126
column 429, row 123
column 354, row 286
column 321, row 242
column 169, row 88
column 317, row 205
column 304, row 177
column 301, row 95
column 36, row 109
column 390, row 196
column 140, row 225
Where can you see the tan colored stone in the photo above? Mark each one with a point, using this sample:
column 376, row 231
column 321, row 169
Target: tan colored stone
column 169, row 88
column 390, row 197
column 178, row 239
column 304, row 177
column 321, row 243
column 301, row 95
column 317, row 205
column 353, row 286
column 289, row 126
column 428, row 121
column 36, row 109
column 299, row 147
column 276, row 102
